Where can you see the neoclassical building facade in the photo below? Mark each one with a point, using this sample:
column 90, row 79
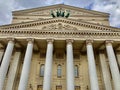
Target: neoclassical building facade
column 59, row 47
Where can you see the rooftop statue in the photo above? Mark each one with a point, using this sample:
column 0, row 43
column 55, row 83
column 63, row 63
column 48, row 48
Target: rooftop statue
column 60, row 13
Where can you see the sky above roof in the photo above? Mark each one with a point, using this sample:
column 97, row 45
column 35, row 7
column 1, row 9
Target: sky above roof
column 108, row 6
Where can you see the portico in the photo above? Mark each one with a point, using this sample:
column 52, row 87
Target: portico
column 75, row 51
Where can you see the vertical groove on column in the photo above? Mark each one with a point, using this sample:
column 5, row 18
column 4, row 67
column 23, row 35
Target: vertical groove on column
column 5, row 63
column 13, row 71
column 113, row 66
column 70, row 66
column 48, row 66
column 105, row 72
column 26, row 67
column 92, row 68
column 1, row 55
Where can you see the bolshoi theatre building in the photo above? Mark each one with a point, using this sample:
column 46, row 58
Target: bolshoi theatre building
column 59, row 47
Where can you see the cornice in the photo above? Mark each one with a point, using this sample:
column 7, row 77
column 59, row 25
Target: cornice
column 64, row 20
column 60, row 34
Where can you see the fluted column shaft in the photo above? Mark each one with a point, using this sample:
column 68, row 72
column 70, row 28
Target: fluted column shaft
column 5, row 62
column 48, row 66
column 26, row 66
column 1, row 55
column 70, row 65
column 92, row 68
column 118, row 57
column 13, row 71
column 113, row 65
column 105, row 71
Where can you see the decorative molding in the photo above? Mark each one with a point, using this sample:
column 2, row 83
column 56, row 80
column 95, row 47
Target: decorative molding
column 69, row 41
column 109, row 42
column 11, row 39
column 89, row 42
column 59, row 26
column 50, row 40
column 30, row 40
column 60, row 20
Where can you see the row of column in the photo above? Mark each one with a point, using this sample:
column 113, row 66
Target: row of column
column 70, row 65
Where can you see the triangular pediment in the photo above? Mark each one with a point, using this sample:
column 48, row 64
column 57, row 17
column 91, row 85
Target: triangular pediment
column 47, row 10
column 60, row 24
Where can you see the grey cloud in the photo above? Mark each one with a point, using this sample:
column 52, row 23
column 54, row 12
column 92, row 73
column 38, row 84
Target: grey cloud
column 109, row 6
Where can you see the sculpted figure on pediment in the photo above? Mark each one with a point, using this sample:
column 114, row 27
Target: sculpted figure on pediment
column 59, row 26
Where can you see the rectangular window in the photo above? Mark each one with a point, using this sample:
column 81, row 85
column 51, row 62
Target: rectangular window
column 42, row 55
column 76, row 55
column 59, row 87
column 77, row 87
column 40, row 87
column 59, row 55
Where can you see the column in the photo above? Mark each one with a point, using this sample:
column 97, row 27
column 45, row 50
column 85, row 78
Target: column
column 5, row 62
column 118, row 57
column 26, row 66
column 13, row 71
column 48, row 66
column 1, row 55
column 105, row 71
column 70, row 65
column 91, row 66
column 113, row 65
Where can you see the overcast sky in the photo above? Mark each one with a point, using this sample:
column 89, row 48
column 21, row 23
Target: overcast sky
column 108, row 6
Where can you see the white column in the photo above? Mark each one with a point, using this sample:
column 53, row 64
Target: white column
column 118, row 57
column 91, row 66
column 48, row 66
column 26, row 66
column 105, row 71
column 13, row 71
column 113, row 65
column 5, row 62
column 1, row 55
column 70, row 65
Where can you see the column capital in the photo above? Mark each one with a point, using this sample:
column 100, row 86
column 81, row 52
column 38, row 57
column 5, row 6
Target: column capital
column 50, row 40
column 109, row 42
column 11, row 39
column 69, row 41
column 30, row 40
column 89, row 41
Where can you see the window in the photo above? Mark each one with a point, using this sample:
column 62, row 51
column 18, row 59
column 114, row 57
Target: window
column 42, row 55
column 59, row 55
column 40, row 87
column 59, row 71
column 42, row 70
column 76, row 55
column 77, row 87
column 76, row 69
column 58, row 87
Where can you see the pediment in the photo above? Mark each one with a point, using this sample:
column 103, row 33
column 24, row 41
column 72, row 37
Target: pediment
column 47, row 10
column 59, row 26
column 54, row 24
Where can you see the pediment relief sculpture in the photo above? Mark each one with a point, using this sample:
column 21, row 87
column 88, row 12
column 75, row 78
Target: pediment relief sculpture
column 59, row 26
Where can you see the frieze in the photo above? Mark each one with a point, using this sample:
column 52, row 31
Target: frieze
column 62, row 34
column 59, row 26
